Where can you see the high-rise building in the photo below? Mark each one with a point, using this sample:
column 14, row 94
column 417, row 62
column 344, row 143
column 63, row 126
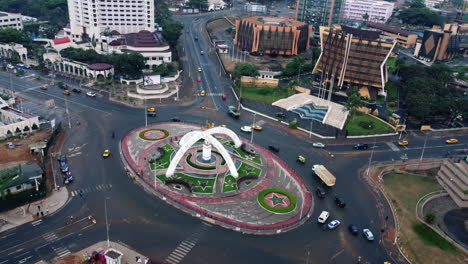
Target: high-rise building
column 354, row 57
column 376, row 11
column 93, row 17
column 319, row 12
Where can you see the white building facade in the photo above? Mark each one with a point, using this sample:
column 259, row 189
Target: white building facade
column 11, row 20
column 378, row 11
column 432, row 3
column 92, row 17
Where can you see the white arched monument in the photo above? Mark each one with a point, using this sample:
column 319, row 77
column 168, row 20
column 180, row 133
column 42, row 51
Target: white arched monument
column 192, row 137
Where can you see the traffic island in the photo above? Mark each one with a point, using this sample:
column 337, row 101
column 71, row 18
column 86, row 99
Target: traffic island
column 218, row 177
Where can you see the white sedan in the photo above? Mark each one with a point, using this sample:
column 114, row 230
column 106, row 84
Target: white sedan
column 91, row 94
column 246, row 129
column 333, row 224
column 318, row 145
column 368, row 234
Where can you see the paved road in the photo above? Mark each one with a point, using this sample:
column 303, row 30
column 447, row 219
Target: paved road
column 158, row 229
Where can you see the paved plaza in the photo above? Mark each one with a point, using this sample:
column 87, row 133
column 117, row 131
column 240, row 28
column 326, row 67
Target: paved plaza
column 266, row 197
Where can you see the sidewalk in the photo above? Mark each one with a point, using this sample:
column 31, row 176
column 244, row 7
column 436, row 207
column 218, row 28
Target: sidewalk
column 28, row 212
column 129, row 256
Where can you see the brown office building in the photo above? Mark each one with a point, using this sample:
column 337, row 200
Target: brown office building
column 404, row 38
column 272, row 35
column 354, row 57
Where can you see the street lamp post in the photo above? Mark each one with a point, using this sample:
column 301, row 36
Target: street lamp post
column 146, row 116
column 370, row 159
column 68, row 113
column 107, row 224
column 251, row 136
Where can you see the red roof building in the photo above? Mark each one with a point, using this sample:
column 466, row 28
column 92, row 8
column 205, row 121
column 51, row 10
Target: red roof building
column 59, row 41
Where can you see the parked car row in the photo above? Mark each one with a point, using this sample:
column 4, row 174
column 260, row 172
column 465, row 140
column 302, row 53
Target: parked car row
column 353, row 229
column 65, row 169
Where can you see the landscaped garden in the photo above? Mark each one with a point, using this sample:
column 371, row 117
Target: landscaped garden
column 359, row 123
column 419, row 242
column 276, row 201
column 230, row 183
column 266, row 95
column 153, row 134
column 164, row 161
column 199, row 185
column 240, row 152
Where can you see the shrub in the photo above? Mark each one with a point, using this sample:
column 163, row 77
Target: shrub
column 264, row 91
column 429, row 218
column 293, row 124
column 392, row 104
column 189, row 161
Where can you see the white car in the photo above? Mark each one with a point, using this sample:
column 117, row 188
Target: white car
column 247, row 129
column 91, row 94
column 333, row 224
column 9, row 66
column 318, row 145
column 323, row 217
column 368, row 234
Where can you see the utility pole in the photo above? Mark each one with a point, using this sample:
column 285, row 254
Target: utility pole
column 68, row 114
column 370, row 159
column 146, row 116
column 251, row 136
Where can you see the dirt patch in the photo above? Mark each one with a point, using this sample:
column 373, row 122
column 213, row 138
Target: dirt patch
column 21, row 153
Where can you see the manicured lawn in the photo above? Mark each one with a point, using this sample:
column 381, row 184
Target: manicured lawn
column 229, row 184
column 265, row 95
column 164, row 161
column 241, row 153
column 200, row 185
column 355, row 129
column 247, row 170
column 421, row 244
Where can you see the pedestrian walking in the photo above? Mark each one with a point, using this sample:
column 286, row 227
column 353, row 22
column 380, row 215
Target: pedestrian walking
column 42, row 213
column 47, row 210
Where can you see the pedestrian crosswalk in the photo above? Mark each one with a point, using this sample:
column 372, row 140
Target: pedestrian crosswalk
column 102, row 187
column 51, row 236
column 392, row 146
column 186, row 246
column 61, row 251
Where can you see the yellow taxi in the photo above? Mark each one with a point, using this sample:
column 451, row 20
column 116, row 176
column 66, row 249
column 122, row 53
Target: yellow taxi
column 106, row 153
column 451, row 141
column 202, row 52
column 257, row 127
column 403, row 143
column 301, row 159
column 43, row 87
column 66, row 92
column 223, row 126
column 151, row 109
column 199, row 69
column 202, row 93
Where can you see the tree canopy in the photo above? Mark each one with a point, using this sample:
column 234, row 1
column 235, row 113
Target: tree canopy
column 9, row 35
column 245, row 69
column 200, row 4
column 420, row 16
column 54, row 11
column 297, row 66
column 429, row 93
column 355, row 100
column 126, row 64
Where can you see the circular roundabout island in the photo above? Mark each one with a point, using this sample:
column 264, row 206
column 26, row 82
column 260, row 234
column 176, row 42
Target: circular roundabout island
column 218, row 177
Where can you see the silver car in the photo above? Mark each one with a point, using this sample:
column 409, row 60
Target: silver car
column 333, row 224
column 368, row 234
column 318, row 145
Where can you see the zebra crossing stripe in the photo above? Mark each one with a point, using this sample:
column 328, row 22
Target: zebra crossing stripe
column 185, row 247
column 172, row 261
column 61, row 252
column 38, row 222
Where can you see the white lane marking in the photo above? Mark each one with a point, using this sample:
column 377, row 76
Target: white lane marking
column 4, row 261
column 38, row 222
column 16, row 251
column 392, row 146
column 23, row 260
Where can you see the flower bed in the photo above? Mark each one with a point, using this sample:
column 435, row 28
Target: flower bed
column 229, row 184
column 164, row 161
column 199, row 185
column 241, row 153
column 153, row 134
column 276, row 201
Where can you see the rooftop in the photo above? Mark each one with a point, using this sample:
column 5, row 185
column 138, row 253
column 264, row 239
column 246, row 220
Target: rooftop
column 17, row 112
column 99, row 66
column 17, row 175
column 59, row 41
column 143, row 38
column 388, row 28
column 274, row 21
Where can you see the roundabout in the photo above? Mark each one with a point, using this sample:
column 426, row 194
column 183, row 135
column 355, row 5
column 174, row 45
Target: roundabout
column 217, row 176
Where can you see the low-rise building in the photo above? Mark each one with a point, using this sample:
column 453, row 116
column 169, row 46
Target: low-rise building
column 14, row 122
column 443, row 43
column 19, row 179
column 149, row 44
column 272, row 35
column 255, row 8
column 11, row 20
column 404, row 38
column 376, row 11
column 8, row 49
column 57, row 63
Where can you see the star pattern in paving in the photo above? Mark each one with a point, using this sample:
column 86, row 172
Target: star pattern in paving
column 277, row 200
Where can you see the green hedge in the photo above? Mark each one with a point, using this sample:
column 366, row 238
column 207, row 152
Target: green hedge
column 142, row 134
column 189, row 156
column 194, row 181
column 285, row 210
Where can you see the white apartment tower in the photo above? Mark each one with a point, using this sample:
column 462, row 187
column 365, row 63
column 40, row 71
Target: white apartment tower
column 94, row 17
column 377, row 11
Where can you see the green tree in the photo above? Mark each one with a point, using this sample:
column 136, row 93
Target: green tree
column 417, row 4
column 200, row 4
column 171, row 31
column 355, row 100
column 164, row 69
column 245, row 69
column 398, row 64
column 161, row 11
column 129, row 65
column 297, row 66
column 429, row 218
column 420, row 17
column 9, row 35
column 365, row 16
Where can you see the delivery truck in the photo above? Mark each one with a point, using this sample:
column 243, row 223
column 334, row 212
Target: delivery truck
column 325, row 175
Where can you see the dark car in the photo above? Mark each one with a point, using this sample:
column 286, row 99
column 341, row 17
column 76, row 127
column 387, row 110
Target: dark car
column 63, row 163
column 341, row 203
column 175, row 119
column 361, row 146
column 274, row 148
column 353, row 229
column 281, row 115
column 68, row 177
column 76, row 90
column 320, row 192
